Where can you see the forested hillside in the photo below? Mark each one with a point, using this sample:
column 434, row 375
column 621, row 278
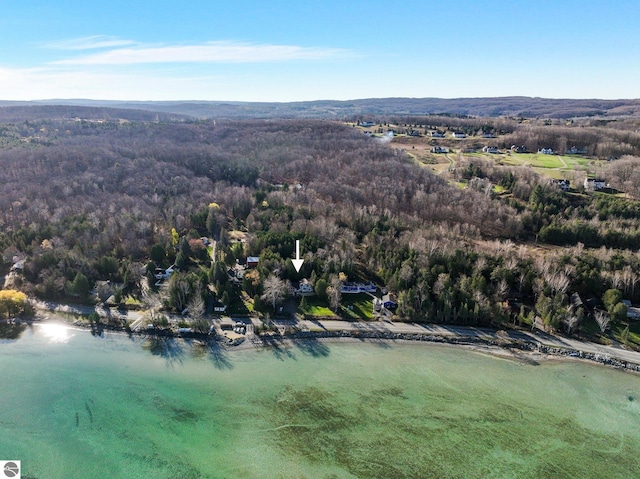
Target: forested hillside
column 516, row 106
column 98, row 200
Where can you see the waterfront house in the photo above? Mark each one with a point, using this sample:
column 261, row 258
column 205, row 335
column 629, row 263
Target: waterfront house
column 305, row 288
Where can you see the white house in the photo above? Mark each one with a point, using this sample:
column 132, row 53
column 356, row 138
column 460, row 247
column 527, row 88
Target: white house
column 358, row 288
column 546, row 151
column 162, row 274
column 563, row 184
column 491, row 149
column 594, row 184
column 458, row 134
column 305, row 288
column 439, row 149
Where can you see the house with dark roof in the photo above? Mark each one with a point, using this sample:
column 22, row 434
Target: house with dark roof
column 594, row 184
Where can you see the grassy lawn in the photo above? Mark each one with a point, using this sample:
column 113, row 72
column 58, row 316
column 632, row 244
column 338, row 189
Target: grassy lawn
column 509, row 160
column 577, row 162
column 536, row 160
column 315, row 307
column 356, row 306
column 352, row 306
column 631, row 337
column 131, row 301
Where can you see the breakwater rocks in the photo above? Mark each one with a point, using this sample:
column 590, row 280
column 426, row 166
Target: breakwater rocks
column 496, row 341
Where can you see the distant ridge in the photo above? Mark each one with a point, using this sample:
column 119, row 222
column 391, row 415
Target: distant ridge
column 37, row 111
column 516, row 106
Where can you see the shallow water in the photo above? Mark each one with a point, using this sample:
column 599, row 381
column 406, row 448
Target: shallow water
column 75, row 405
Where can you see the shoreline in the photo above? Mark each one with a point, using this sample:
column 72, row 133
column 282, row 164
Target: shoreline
column 523, row 351
column 528, row 351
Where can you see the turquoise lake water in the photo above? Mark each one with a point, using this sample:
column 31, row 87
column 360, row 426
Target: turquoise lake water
column 74, row 405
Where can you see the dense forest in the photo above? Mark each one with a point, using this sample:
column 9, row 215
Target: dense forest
column 86, row 201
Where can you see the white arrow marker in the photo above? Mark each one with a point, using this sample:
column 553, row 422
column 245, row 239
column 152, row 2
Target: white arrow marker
column 297, row 263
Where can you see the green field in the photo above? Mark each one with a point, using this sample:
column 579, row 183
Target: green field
column 352, row 306
column 553, row 166
column 315, row 307
column 537, row 160
column 356, row 306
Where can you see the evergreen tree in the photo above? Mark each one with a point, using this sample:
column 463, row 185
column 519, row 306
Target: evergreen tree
column 80, row 285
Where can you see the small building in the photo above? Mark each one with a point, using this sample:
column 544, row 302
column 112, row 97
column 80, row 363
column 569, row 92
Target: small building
column 459, row 134
column 252, row 261
column 594, row 184
column 633, row 313
column 366, row 124
column 390, row 305
column 219, row 307
column 546, row 151
column 162, row 274
column 439, row 149
column 488, row 135
column 436, row 134
column 519, row 149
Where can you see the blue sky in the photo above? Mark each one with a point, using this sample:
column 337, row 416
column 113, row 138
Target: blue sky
column 283, row 50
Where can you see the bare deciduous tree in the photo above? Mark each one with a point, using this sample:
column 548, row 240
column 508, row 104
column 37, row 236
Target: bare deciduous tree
column 196, row 305
column 570, row 321
column 274, row 290
column 602, row 319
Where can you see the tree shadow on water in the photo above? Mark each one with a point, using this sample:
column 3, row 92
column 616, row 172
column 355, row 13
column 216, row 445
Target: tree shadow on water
column 279, row 348
column 218, row 355
column 312, row 347
column 382, row 343
column 165, row 347
column 11, row 330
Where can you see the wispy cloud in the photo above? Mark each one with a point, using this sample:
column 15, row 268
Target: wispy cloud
column 89, row 43
column 47, row 83
column 210, row 52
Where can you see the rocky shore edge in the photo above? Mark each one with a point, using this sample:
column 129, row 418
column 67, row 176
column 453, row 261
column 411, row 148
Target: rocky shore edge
column 489, row 345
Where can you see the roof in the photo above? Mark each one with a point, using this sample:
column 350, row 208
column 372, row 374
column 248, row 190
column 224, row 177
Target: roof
column 253, row 259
